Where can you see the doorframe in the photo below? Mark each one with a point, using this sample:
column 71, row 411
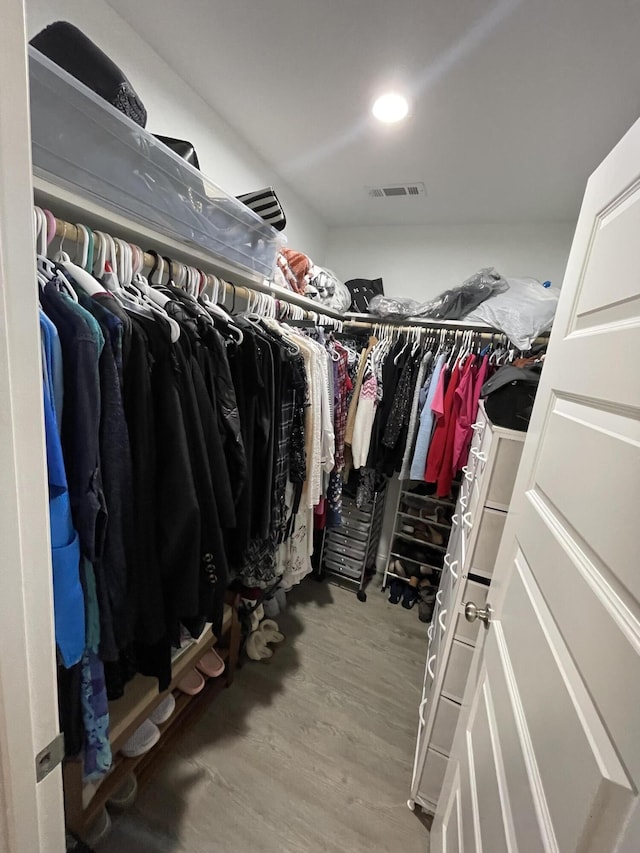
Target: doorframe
column 31, row 812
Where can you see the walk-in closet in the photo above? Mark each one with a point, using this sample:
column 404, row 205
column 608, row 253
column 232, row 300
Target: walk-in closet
column 319, row 326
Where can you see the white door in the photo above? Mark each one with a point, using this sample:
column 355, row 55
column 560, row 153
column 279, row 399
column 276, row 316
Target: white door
column 31, row 817
column 547, row 753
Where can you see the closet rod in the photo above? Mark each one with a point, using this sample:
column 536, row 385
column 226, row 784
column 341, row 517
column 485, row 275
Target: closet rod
column 410, row 324
column 68, row 231
column 372, row 319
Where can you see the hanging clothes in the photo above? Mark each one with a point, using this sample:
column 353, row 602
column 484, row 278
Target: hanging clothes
column 363, row 422
column 447, row 467
column 444, row 411
column 430, row 409
column 65, row 544
column 412, row 429
column 469, row 394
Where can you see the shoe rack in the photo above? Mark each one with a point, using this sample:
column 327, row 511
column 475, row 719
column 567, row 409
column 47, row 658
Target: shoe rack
column 421, row 530
column 84, row 804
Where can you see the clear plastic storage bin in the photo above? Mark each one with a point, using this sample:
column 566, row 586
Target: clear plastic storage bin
column 81, row 142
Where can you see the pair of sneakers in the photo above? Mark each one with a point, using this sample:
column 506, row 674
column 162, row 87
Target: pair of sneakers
column 259, row 640
column 402, row 591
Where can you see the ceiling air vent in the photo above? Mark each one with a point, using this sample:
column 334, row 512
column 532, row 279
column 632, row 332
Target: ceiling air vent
column 398, row 190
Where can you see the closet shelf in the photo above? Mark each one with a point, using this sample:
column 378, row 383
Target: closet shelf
column 83, row 144
column 140, row 698
column 142, row 765
column 406, row 580
column 421, row 520
column 430, row 498
column 411, row 560
column 141, row 693
column 408, row 538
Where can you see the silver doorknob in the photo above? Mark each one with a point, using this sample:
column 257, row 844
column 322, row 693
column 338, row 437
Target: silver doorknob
column 473, row 612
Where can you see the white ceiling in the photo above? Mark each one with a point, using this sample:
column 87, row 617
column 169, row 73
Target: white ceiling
column 514, row 102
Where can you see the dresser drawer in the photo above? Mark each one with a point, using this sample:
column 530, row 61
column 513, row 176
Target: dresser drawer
column 353, row 553
column 335, row 540
column 503, row 473
column 458, row 665
column 355, row 514
column 490, row 526
column 444, row 726
column 356, row 529
column 343, row 565
column 430, row 784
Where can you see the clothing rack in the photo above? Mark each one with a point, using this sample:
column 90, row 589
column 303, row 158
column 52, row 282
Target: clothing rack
column 447, row 328
column 84, row 802
column 411, row 325
column 229, row 295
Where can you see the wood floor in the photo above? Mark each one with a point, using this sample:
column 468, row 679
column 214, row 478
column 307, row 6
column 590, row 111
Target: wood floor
column 308, row 753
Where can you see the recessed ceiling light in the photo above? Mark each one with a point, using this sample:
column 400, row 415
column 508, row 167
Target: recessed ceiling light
column 390, row 108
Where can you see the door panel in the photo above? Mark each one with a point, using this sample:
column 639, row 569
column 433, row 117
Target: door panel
column 530, row 818
column 569, row 581
column 489, row 775
column 561, row 718
column 559, row 686
column 609, row 441
column 618, row 225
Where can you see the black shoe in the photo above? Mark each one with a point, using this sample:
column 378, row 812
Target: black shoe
column 409, row 597
column 395, row 591
column 426, row 603
column 76, row 845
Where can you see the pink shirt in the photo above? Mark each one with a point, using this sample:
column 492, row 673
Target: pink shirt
column 469, row 392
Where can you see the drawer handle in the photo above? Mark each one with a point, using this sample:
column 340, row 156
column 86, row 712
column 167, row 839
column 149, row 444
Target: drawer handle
column 420, row 709
column 430, row 665
column 447, row 559
column 455, row 518
column 441, row 616
column 477, row 426
column 439, row 596
column 452, row 570
column 468, row 475
column 479, row 454
column 466, row 519
column 430, row 632
column 463, row 501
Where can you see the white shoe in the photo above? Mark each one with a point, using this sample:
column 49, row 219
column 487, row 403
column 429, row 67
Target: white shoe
column 125, row 795
column 269, row 629
column 163, row 711
column 142, row 740
column 257, row 646
column 99, row 829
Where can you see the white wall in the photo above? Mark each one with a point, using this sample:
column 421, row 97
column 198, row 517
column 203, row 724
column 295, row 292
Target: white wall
column 421, row 261
column 174, row 109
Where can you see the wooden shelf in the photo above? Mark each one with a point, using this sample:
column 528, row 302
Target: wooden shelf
column 141, row 694
column 140, row 698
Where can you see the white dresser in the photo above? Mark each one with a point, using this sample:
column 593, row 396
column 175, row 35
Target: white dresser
column 477, row 528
